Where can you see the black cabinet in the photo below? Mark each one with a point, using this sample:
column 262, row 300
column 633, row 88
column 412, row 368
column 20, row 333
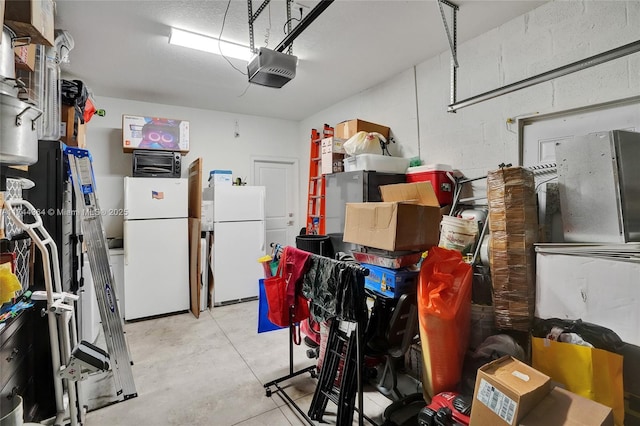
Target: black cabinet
column 54, row 199
column 25, row 366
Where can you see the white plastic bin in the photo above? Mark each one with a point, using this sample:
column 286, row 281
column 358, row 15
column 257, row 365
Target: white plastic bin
column 220, row 177
column 376, row 162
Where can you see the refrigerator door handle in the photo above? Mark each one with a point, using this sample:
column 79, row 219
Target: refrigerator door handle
column 125, row 243
column 263, row 239
column 126, row 196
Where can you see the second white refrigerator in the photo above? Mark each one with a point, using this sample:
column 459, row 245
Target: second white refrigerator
column 238, row 241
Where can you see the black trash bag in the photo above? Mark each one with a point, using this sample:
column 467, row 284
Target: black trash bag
column 75, row 94
column 600, row 337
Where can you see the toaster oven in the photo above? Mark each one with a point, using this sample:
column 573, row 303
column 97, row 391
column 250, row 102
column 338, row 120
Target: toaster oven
column 147, row 163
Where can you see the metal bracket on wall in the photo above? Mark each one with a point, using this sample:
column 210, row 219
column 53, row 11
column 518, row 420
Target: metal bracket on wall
column 292, row 33
column 452, row 36
column 598, row 59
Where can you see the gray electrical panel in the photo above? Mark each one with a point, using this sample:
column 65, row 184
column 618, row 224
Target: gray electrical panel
column 599, row 185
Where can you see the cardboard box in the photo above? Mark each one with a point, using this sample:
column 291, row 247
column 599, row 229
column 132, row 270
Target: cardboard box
column 331, row 154
column 407, row 219
column 67, row 121
column 331, row 163
column 506, row 391
column 81, row 136
column 562, row 407
column 25, row 57
column 31, row 18
column 332, row 145
column 164, row 134
column 346, row 129
column 68, row 125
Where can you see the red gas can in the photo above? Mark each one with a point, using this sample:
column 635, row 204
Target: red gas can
column 440, row 176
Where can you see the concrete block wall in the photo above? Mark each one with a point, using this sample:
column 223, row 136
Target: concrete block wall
column 478, row 138
column 391, row 103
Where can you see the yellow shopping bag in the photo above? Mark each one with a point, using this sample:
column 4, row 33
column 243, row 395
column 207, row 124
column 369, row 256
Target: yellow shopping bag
column 592, row 373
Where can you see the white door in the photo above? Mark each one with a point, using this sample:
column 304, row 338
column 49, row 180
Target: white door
column 237, row 246
column 156, row 267
column 280, row 177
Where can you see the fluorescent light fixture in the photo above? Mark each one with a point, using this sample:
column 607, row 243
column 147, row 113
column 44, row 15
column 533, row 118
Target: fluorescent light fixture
column 209, row 44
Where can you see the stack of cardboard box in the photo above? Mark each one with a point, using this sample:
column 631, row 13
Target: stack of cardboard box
column 513, row 222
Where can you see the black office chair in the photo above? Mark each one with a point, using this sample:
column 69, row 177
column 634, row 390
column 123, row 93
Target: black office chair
column 399, row 336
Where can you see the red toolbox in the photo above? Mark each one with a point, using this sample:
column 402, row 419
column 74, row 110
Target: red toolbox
column 440, row 176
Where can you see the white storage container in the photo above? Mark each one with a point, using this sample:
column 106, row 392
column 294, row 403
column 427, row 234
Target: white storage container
column 376, row 162
column 220, row 177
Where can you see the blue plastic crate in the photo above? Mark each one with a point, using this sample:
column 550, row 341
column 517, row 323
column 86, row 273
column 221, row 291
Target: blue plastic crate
column 390, row 282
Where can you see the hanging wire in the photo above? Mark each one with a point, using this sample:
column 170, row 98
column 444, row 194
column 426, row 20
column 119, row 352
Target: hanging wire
column 267, row 32
column 545, row 181
column 245, row 90
column 284, row 27
column 224, row 19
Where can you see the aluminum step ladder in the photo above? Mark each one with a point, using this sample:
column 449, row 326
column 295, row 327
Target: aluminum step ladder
column 81, row 173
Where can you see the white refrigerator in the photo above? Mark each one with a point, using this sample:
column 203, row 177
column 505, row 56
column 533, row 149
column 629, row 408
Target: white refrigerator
column 239, row 240
column 156, row 247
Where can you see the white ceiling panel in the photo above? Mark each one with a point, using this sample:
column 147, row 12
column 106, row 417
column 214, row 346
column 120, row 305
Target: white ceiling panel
column 121, row 49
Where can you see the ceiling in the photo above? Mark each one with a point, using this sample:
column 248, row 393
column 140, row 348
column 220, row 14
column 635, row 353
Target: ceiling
column 122, row 51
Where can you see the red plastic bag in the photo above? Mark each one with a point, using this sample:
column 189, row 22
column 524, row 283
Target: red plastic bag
column 444, row 310
column 282, row 313
column 89, row 110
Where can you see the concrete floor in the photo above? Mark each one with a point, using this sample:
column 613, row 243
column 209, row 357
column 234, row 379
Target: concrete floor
column 211, row 371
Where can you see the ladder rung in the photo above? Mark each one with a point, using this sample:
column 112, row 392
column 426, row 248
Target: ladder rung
column 331, row 396
column 316, row 159
column 315, row 215
column 317, row 196
column 316, row 177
